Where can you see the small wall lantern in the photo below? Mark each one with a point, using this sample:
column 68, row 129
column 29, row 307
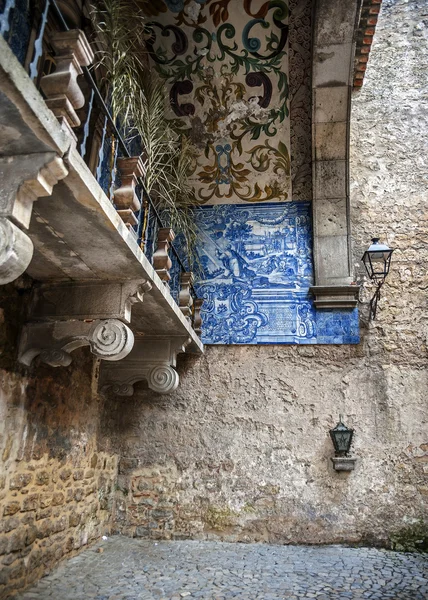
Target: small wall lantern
column 377, row 261
column 341, row 437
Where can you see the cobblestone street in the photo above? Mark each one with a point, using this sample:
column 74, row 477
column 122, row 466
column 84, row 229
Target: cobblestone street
column 144, row 570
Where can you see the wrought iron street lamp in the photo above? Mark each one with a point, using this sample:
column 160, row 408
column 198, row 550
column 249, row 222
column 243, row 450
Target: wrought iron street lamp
column 341, row 436
column 377, row 261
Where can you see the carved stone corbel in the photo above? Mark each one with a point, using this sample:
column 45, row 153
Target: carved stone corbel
column 161, row 260
column 197, row 317
column 63, row 94
column 185, row 300
column 24, row 179
column 152, row 359
column 109, row 339
column 125, row 198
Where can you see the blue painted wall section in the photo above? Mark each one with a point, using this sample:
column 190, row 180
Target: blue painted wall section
column 256, row 270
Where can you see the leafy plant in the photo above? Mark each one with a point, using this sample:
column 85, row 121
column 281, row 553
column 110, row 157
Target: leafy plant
column 137, row 96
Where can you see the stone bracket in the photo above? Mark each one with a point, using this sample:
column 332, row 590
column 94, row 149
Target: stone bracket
column 343, row 463
column 66, row 316
column 87, row 301
column 335, row 296
column 25, row 178
column 109, row 339
column 152, row 359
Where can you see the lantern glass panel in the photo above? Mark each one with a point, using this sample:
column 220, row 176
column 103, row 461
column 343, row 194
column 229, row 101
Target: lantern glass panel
column 377, row 260
column 342, row 438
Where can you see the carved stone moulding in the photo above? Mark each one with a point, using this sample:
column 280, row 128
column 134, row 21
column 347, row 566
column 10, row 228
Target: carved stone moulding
column 335, row 296
column 109, row 339
column 87, row 300
column 25, row 178
column 152, row 360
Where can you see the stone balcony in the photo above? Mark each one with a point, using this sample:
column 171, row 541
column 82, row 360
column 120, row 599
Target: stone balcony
column 93, row 283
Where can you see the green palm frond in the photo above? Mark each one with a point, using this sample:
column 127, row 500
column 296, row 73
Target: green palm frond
column 137, row 98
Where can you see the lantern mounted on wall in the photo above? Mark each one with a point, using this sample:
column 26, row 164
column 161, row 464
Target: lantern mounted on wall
column 377, row 261
column 341, row 436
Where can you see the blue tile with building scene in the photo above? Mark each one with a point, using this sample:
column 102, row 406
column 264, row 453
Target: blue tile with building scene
column 255, row 266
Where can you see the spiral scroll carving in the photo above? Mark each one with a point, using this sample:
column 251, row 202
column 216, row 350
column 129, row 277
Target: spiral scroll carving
column 55, row 357
column 122, row 389
column 16, row 251
column 111, row 339
column 163, row 379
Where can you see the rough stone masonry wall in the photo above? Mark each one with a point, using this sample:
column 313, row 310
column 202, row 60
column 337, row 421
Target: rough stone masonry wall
column 56, row 484
column 241, row 450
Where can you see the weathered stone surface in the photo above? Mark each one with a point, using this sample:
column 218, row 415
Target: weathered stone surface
column 265, row 412
column 122, row 568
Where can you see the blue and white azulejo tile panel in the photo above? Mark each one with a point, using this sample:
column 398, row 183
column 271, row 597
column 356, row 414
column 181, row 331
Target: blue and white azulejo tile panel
column 256, row 270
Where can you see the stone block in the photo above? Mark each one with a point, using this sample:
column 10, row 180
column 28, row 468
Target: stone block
column 332, row 65
column 331, row 256
column 78, row 494
column 78, row 474
column 11, row 508
column 331, row 104
column 65, row 474
column 17, row 541
column 42, row 478
column 20, row 481
column 44, row 529
column 330, row 140
column 330, row 217
column 330, row 179
column 335, row 22
column 58, row 499
column 74, row 519
column 31, row 502
column 10, row 524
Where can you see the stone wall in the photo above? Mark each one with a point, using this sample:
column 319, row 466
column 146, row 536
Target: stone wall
column 241, row 450
column 56, row 482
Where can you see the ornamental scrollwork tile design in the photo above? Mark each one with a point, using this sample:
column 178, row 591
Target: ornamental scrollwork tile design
column 256, row 263
column 226, row 67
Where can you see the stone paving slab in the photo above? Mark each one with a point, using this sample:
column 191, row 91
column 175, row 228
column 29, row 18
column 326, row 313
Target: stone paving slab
column 133, row 569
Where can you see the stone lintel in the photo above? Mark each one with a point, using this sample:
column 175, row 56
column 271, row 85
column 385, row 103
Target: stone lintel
column 152, row 359
column 335, row 296
column 343, row 463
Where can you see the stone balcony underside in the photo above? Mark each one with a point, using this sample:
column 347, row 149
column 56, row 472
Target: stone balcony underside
column 52, row 202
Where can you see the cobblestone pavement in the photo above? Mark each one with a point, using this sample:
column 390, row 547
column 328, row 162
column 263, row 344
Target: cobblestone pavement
column 133, row 569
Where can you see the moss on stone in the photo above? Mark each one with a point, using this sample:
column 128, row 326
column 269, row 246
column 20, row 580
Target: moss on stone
column 413, row 538
column 220, row 517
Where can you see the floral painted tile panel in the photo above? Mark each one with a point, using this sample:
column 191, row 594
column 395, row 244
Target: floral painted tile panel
column 225, row 64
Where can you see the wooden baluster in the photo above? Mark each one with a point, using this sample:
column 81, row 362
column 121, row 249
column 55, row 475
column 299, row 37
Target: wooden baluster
column 197, row 317
column 185, row 300
column 63, row 93
column 125, row 198
column 161, row 260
